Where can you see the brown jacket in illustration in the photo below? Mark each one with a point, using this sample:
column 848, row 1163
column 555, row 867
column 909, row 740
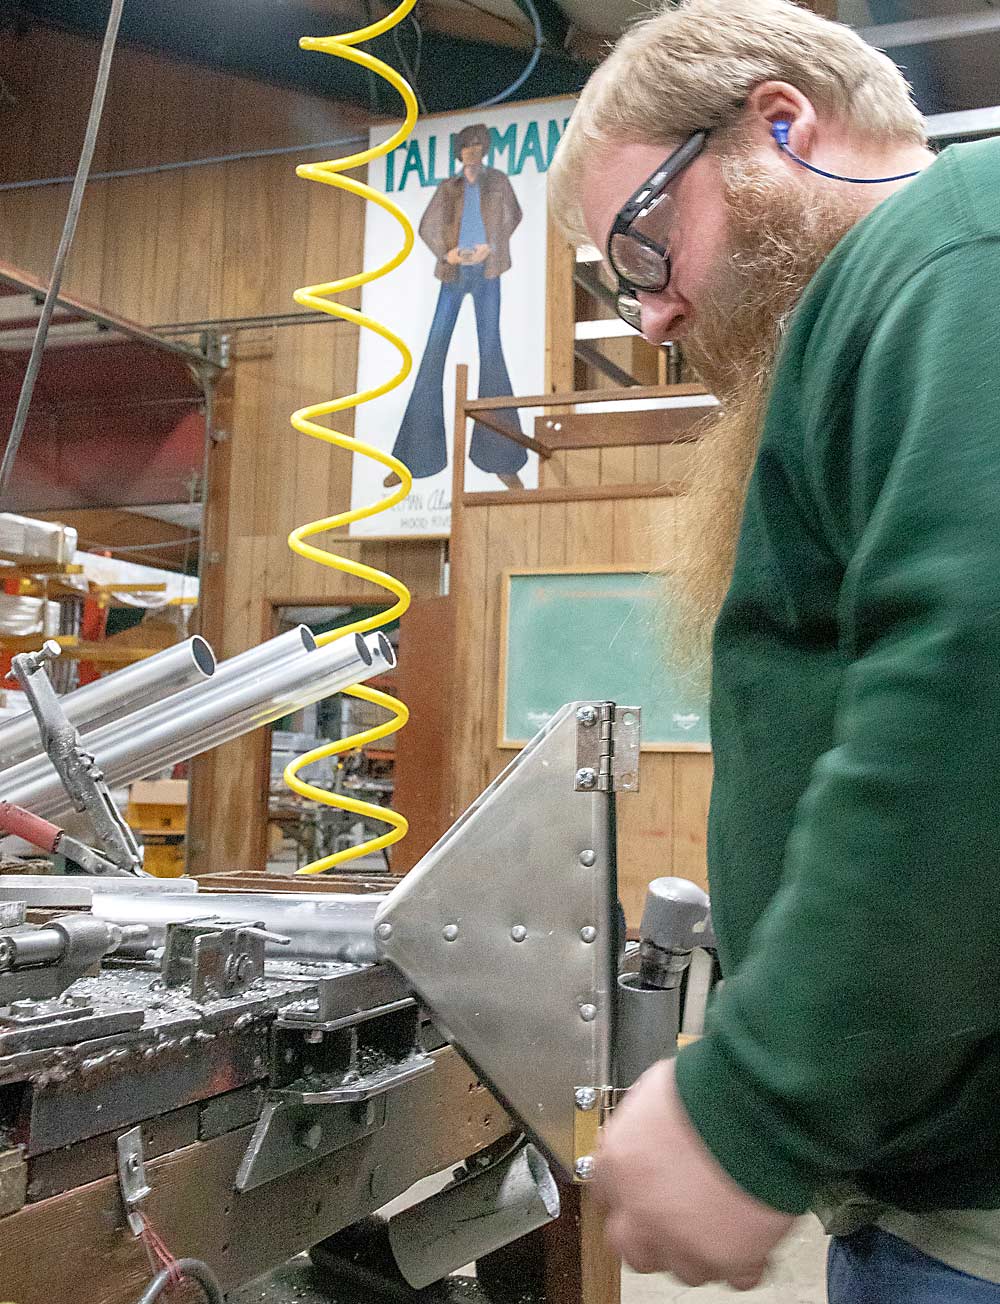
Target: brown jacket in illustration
column 442, row 219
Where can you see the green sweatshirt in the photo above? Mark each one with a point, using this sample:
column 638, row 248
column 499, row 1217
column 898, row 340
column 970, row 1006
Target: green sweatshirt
column 854, row 835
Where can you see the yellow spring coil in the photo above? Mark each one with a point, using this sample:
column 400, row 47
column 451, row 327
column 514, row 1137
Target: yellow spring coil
column 317, row 297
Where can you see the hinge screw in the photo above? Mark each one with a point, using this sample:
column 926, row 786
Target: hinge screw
column 586, row 778
column 518, row 933
column 584, row 1168
column 587, row 716
column 588, row 1013
column 588, row 858
column 588, row 933
column 585, row 1097
column 383, row 932
column 449, row 932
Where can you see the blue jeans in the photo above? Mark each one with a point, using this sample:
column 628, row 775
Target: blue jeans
column 872, row 1267
column 421, row 441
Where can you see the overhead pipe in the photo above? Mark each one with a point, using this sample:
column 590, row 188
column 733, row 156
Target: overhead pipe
column 200, row 718
column 138, row 685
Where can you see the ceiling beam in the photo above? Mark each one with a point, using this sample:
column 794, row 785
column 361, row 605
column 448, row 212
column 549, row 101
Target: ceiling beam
column 923, row 31
column 470, row 23
column 966, row 122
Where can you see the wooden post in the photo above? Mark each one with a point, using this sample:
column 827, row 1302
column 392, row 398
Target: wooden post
column 462, row 650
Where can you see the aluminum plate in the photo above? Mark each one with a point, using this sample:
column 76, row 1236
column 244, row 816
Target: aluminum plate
column 507, row 931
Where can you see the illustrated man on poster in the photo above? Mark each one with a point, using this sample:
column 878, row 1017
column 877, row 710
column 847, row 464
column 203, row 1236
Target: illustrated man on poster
column 467, row 225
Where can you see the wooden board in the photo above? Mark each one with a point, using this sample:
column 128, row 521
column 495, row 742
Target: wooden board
column 92, row 1257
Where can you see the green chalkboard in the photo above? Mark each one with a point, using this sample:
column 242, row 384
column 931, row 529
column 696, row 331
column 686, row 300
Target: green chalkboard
column 593, row 635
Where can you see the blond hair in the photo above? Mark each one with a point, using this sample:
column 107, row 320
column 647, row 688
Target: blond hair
column 692, row 65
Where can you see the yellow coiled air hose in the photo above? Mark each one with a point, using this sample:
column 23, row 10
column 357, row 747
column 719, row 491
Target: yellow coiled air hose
column 318, row 298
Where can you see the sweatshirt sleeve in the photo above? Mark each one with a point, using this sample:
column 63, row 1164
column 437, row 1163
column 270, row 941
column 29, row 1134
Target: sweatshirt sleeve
column 847, row 1042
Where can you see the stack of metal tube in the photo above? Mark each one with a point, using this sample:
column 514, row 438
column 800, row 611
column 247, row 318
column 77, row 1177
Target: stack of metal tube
column 179, row 703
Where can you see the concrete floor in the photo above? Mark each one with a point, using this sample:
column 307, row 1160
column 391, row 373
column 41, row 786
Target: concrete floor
column 799, row 1277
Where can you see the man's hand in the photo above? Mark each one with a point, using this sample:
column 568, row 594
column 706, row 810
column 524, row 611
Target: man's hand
column 480, row 254
column 670, row 1205
column 453, row 256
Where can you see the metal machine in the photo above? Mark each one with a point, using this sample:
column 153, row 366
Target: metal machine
column 295, row 1060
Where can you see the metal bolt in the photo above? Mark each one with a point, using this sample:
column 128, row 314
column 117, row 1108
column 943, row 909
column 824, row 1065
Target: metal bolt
column 588, row 933
column 518, row 933
column 383, row 932
column 584, row 1168
column 587, row 858
column 588, row 1013
column 587, row 716
column 310, row 1137
column 133, row 1163
column 585, row 1097
column 449, row 932
column 586, row 778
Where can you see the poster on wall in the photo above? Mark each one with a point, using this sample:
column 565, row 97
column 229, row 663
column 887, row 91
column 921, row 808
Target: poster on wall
column 472, row 291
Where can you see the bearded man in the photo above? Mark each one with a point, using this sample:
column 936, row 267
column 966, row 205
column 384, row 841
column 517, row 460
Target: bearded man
column 760, row 183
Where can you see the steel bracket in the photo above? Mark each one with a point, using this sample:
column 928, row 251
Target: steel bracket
column 132, row 1177
column 290, row 1135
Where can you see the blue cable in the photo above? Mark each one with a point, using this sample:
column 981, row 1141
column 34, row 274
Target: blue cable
column 780, row 132
column 536, row 54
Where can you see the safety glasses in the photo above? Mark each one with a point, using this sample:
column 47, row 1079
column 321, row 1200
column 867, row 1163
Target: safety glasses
column 638, row 245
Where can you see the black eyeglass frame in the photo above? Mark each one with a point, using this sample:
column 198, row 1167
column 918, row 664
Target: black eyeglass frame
column 643, row 201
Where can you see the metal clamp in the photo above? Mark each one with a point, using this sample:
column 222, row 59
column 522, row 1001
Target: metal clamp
column 77, row 769
column 217, row 957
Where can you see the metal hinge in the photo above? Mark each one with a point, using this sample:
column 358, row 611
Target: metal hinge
column 593, row 1106
column 607, row 747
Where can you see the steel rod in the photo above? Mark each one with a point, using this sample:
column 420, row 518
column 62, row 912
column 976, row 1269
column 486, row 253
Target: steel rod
column 106, row 699
column 322, row 925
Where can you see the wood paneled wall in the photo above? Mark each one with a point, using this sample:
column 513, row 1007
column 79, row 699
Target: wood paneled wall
column 662, row 828
column 232, row 241
column 227, row 241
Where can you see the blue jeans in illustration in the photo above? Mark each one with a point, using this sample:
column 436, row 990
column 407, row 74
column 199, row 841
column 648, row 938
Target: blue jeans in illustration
column 873, row 1267
column 421, row 441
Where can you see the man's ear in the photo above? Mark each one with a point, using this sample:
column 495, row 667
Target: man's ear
column 773, row 102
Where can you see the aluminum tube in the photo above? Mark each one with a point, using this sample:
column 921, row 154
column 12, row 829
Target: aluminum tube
column 474, row 1217
column 169, row 671
column 322, row 925
column 209, row 721
column 270, row 653
column 195, row 720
